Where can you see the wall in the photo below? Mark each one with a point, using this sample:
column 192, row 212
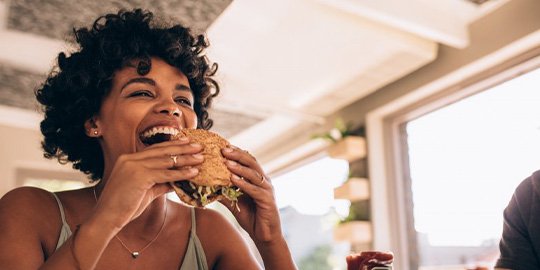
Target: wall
column 20, row 149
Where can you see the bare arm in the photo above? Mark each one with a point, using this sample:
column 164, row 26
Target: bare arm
column 26, row 214
column 24, row 210
column 18, row 231
column 275, row 254
column 259, row 215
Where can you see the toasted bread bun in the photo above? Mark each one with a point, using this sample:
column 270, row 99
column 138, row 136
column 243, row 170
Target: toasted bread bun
column 212, row 172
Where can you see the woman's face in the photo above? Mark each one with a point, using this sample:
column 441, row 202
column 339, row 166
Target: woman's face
column 137, row 105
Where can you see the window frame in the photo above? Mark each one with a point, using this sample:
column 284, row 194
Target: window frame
column 391, row 202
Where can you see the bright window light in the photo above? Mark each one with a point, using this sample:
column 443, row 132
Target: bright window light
column 465, row 162
column 310, row 189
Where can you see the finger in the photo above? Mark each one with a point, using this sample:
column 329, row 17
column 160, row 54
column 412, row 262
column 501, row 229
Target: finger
column 241, row 156
column 352, row 263
column 251, row 175
column 384, row 256
column 165, row 176
column 247, row 187
column 168, row 162
column 168, row 150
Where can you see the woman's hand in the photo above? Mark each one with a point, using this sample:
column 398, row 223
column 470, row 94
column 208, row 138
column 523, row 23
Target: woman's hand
column 369, row 260
column 139, row 178
column 258, row 213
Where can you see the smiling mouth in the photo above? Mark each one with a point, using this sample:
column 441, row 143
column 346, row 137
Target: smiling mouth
column 158, row 134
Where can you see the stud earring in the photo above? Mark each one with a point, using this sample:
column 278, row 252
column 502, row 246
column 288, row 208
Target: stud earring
column 96, row 132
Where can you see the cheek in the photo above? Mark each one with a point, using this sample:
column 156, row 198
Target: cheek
column 121, row 122
column 190, row 118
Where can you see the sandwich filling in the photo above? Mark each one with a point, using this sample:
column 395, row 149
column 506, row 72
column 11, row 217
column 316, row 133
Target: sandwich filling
column 199, row 193
column 206, row 194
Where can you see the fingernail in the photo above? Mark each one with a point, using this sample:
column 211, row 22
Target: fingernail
column 232, row 163
column 198, row 156
column 193, row 170
column 195, row 145
column 228, row 150
column 183, row 139
column 235, row 177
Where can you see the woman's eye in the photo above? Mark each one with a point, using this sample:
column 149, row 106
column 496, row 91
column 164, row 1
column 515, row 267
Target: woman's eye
column 184, row 101
column 141, row 94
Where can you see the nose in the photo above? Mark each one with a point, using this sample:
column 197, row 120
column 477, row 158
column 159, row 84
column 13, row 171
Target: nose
column 176, row 112
column 169, row 108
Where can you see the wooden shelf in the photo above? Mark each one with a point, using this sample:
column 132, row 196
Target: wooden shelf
column 350, row 148
column 355, row 189
column 355, row 232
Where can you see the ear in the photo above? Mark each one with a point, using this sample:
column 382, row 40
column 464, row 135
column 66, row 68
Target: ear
column 91, row 128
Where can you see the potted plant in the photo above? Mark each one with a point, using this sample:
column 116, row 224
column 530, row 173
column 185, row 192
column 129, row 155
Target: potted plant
column 345, row 145
column 355, row 228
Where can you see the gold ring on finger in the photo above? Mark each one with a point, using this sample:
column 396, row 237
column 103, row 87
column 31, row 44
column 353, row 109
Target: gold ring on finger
column 173, row 158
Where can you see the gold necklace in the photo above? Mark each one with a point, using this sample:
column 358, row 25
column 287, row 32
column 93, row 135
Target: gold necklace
column 135, row 253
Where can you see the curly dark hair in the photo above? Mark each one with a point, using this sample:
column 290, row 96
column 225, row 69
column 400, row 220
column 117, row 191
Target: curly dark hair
column 75, row 89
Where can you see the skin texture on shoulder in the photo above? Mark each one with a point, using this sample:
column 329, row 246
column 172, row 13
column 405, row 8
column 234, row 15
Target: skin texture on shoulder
column 30, row 220
column 224, row 246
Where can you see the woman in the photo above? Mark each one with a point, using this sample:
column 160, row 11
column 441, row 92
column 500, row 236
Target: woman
column 128, row 76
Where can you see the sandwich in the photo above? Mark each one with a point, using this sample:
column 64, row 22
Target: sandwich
column 214, row 179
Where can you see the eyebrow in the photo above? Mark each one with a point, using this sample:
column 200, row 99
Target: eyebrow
column 138, row 80
column 149, row 81
column 182, row 87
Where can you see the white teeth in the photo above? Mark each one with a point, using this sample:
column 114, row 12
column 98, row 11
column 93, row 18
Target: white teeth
column 163, row 130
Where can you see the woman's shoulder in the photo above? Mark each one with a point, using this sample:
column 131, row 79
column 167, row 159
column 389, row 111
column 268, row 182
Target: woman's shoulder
column 211, row 219
column 214, row 227
column 29, row 205
column 29, row 209
column 28, row 198
column 216, row 233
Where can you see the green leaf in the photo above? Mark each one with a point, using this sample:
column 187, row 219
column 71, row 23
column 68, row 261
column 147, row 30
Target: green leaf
column 340, row 125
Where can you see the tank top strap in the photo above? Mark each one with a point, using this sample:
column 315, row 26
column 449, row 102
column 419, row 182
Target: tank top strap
column 193, row 222
column 194, row 258
column 61, row 208
column 65, row 231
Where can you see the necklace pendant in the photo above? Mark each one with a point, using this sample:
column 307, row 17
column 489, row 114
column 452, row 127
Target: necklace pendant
column 135, row 254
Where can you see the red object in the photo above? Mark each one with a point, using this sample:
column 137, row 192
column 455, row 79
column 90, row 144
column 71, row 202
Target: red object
column 367, row 260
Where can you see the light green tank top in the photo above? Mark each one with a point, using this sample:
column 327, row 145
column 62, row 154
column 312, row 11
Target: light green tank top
column 195, row 259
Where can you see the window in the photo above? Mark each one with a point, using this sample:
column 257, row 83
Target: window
column 476, row 130
column 309, row 213
column 466, row 159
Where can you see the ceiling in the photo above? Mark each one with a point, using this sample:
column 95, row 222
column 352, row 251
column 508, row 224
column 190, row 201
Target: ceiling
column 285, row 65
